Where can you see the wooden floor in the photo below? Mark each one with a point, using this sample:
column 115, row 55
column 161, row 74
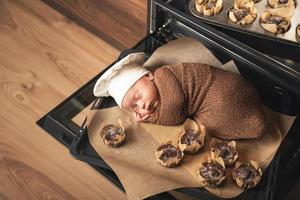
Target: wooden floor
column 122, row 23
column 44, row 58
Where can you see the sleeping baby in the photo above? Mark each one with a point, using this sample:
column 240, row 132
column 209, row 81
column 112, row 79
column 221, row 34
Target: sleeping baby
column 225, row 103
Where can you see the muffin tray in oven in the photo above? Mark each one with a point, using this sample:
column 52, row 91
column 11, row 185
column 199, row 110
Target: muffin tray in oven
column 255, row 27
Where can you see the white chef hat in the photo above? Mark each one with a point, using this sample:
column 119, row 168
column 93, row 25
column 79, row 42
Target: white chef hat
column 118, row 79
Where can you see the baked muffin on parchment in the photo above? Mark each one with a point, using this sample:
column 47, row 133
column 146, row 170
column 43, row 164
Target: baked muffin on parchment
column 281, row 3
column 243, row 12
column 277, row 20
column 246, row 175
column 168, row 155
column 208, row 7
column 225, row 150
column 192, row 137
column 113, row 135
column 212, row 173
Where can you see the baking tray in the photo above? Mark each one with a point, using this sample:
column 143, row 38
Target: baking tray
column 272, row 95
column 255, row 27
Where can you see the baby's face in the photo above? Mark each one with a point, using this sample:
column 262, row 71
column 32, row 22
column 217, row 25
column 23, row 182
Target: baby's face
column 142, row 98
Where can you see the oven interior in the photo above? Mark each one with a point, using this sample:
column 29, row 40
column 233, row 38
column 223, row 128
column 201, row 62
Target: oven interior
column 280, row 47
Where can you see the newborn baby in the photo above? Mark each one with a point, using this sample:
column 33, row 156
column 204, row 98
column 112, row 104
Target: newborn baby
column 225, row 103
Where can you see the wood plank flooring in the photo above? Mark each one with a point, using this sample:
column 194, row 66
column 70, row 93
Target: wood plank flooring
column 122, row 23
column 44, row 57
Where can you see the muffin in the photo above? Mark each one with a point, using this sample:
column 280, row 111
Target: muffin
column 243, row 12
column 112, row 135
column 212, row 173
column 281, row 3
column 277, row 20
column 243, row 4
column 225, row 150
column 168, row 155
column 246, row 175
column 192, row 137
column 208, row 7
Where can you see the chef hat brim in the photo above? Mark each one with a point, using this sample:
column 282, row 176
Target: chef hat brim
column 120, row 77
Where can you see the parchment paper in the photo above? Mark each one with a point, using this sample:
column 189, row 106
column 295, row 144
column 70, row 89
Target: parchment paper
column 135, row 163
column 141, row 175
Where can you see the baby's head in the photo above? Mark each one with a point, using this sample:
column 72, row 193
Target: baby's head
column 131, row 85
column 142, row 98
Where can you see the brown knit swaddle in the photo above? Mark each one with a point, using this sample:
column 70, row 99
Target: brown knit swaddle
column 225, row 103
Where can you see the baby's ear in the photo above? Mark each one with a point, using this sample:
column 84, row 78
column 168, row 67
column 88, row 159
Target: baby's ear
column 149, row 75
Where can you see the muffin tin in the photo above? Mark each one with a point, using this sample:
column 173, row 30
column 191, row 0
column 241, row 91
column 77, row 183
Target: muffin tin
column 255, row 27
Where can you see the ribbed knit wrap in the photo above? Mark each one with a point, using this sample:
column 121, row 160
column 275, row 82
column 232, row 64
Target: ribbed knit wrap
column 224, row 102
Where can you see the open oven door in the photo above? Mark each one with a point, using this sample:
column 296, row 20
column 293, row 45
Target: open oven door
column 277, row 82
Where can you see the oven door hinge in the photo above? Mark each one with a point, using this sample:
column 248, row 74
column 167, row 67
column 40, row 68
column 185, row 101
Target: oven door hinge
column 165, row 32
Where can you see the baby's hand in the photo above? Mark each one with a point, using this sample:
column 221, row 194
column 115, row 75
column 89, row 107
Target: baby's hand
column 139, row 117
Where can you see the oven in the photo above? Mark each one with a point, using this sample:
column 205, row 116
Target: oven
column 275, row 74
